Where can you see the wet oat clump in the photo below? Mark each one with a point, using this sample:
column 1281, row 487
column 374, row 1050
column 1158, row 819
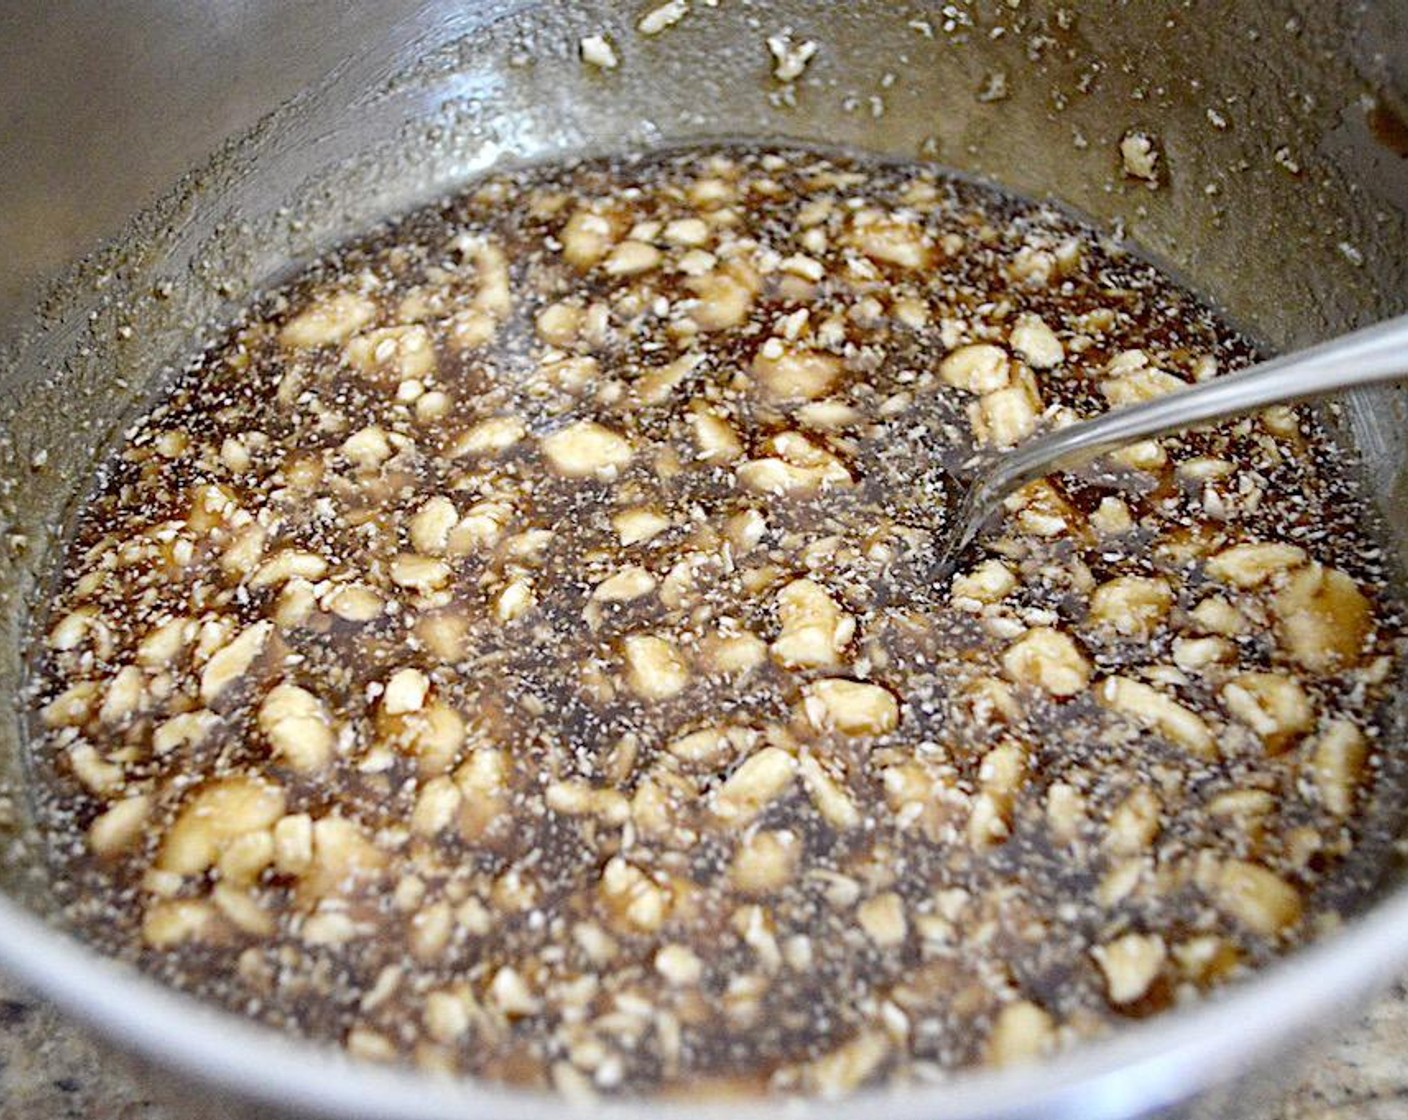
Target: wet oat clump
column 514, row 649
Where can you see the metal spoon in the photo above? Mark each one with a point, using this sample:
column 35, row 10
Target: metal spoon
column 1366, row 357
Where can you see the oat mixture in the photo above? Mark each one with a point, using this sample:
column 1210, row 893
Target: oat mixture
column 515, row 649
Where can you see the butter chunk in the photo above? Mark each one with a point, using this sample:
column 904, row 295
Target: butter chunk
column 232, row 661
column 298, row 727
column 654, row 668
column 851, row 707
column 587, row 450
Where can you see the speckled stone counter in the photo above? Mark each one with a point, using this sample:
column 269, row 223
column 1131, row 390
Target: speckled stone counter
column 51, row 1070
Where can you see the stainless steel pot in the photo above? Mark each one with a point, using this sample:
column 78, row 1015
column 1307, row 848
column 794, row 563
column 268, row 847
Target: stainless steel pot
column 1283, row 194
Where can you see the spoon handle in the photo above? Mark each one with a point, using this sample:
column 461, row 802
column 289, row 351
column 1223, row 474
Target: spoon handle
column 1366, row 357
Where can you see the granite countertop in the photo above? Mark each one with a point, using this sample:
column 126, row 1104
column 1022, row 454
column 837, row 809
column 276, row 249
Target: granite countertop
column 50, row 1069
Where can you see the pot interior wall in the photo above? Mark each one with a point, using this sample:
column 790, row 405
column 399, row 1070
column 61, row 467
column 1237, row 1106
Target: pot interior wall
column 1280, row 194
